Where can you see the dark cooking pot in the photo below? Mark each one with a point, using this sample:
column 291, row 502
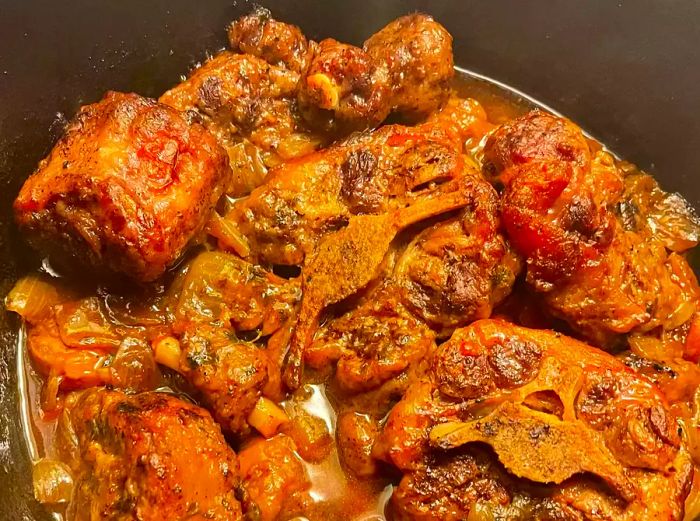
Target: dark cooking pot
column 627, row 71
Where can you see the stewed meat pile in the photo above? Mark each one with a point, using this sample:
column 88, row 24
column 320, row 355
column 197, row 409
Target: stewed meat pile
column 320, row 281
column 147, row 456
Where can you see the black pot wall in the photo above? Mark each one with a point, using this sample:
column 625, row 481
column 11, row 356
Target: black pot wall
column 626, row 70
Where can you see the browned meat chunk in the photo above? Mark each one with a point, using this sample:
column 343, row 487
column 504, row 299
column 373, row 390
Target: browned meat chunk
column 230, row 375
column 415, row 55
column 127, row 188
column 275, row 478
column 254, row 102
column 592, row 234
column 371, row 344
column 457, row 270
column 275, row 42
column 342, row 89
column 250, row 106
column 555, row 209
column 370, row 173
column 148, row 457
column 449, row 275
column 405, row 68
column 223, row 290
column 221, row 298
column 528, row 424
column 351, row 258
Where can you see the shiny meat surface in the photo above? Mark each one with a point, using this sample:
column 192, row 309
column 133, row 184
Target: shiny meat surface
column 222, row 290
column 369, row 173
column 371, row 344
column 223, row 297
column 241, row 97
column 275, row 478
column 277, row 91
column 357, row 274
column 344, row 89
column 415, row 53
column 275, row 42
column 590, row 233
column 231, row 375
column 349, row 259
column 447, row 276
column 405, row 69
column 502, row 402
column 457, row 270
column 126, row 189
column 148, row 457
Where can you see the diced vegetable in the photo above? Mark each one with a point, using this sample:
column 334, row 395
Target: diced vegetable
column 267, row 417
column 53, row 483
column 168, row 352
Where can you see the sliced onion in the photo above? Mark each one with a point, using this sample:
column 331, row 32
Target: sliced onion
column 33, row 297
column 670, row 218
column 674, row 222
column 82, row 324
column 134, row 366
column 267, row 417
column 49, row 392
column 228, row 235
column 53, row 482
column 481, row 511
column 248, row 168
column 66, row 442
column 297, row 145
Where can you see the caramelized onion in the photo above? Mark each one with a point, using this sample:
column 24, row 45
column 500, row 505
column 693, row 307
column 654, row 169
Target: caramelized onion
column 248, row 167
column 53, row 483
column 82, row 324
column 267, row 417
column 481, row 512
column 32, row 298
column 668, row 215
column 134, row 366
column 674, row 221
column 49, row 392
column 228, row 235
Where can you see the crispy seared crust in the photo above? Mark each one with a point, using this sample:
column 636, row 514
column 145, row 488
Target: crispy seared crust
column 150, row 457
column 591, row 237
column 551, row 410
column 126, row 189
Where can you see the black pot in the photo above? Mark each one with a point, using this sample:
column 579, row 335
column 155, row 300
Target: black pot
column 628, row 71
